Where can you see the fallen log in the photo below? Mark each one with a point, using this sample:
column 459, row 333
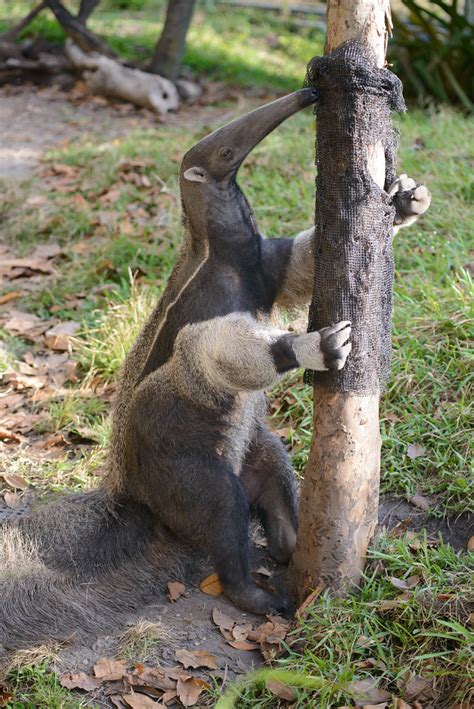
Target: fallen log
column 108, row 77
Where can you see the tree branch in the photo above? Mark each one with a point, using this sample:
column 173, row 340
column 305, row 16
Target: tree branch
column 83, row 37
column 10, row 34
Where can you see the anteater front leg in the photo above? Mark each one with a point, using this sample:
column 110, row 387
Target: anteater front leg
column 235, row 353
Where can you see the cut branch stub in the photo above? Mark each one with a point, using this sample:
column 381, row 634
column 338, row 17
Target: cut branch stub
column 354, row 216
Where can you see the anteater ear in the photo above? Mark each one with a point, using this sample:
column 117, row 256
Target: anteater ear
column 196, row 174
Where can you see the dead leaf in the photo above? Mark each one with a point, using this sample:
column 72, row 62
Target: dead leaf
column 400, row 528
column 223, row 621
column 168, row 696
column 415, row 450
column 108, row 669
column 26, row 324
column 302, row 611
column 243, row 645
column 400, row 704
column 416, row 686
column 12, row 401
column 5, row 695
column 9, row 436
column 140, row 701
column 189, row 690
column 158, row 678
column 273, row 631
column 365, row 690
column 420, row 501
column 61, row 169
column 284, row 432
column 59, row 336
column 11, row 295
column 196, row 658
column 110, row 197
column 15, row 481
column 240, row 632
column 79, row 681
column 470, row 544
column 280, row 690
column 211, row 585
column 384, row 705
column 20, row 266
column 405, row 584
column 175, row 590
column 22, row 381
column 12, row 499
column 46, row 251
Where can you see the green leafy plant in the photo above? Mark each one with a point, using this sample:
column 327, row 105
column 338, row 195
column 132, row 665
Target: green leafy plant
column 433, row 51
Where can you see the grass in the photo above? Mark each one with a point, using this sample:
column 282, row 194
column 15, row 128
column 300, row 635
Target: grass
column 34, row 685
column 117, row 254
column 382, row 637
column 144, row 641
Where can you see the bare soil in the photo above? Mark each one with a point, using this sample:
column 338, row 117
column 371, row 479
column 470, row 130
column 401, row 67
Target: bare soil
column 35, row 120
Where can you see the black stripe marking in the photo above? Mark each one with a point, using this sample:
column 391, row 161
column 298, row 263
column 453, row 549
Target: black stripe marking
column 283, row 354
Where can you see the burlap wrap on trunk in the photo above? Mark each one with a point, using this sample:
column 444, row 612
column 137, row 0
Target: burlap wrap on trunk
column 354, row 217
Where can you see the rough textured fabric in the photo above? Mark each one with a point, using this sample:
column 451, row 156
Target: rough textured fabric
column 354, row 217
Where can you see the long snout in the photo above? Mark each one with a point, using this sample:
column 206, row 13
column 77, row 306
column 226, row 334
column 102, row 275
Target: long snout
column 244, row 133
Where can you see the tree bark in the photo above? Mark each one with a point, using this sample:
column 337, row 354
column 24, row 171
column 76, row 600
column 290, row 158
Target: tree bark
column 86, row 9
column 84, row 38
column 339, row 500
column 169, row 51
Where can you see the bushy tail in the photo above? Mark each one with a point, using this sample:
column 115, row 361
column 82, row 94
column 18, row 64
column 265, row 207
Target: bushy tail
column 77, row 566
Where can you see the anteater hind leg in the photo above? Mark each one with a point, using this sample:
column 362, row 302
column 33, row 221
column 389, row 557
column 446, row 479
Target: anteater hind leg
column 197, row 497
column 268, row 480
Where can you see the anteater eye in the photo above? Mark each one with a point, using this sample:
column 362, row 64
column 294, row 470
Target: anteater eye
column 226, row 153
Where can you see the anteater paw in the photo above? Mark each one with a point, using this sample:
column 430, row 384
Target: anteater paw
column 410, row 199
column 334, row 344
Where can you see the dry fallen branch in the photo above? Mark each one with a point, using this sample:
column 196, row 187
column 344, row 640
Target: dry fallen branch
column 107, row 76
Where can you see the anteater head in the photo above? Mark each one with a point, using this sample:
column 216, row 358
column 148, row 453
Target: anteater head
column 212, row 201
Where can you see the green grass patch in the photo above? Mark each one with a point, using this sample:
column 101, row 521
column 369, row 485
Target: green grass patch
column 35, row 685
column 384, row 638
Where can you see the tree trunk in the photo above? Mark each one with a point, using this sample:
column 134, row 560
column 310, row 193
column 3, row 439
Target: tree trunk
column 78, row 32
column 86, row 9
column 169, row 51
column 339, row 500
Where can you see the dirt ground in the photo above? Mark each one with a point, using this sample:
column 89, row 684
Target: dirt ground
column 34, row 120
column 31, row 123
